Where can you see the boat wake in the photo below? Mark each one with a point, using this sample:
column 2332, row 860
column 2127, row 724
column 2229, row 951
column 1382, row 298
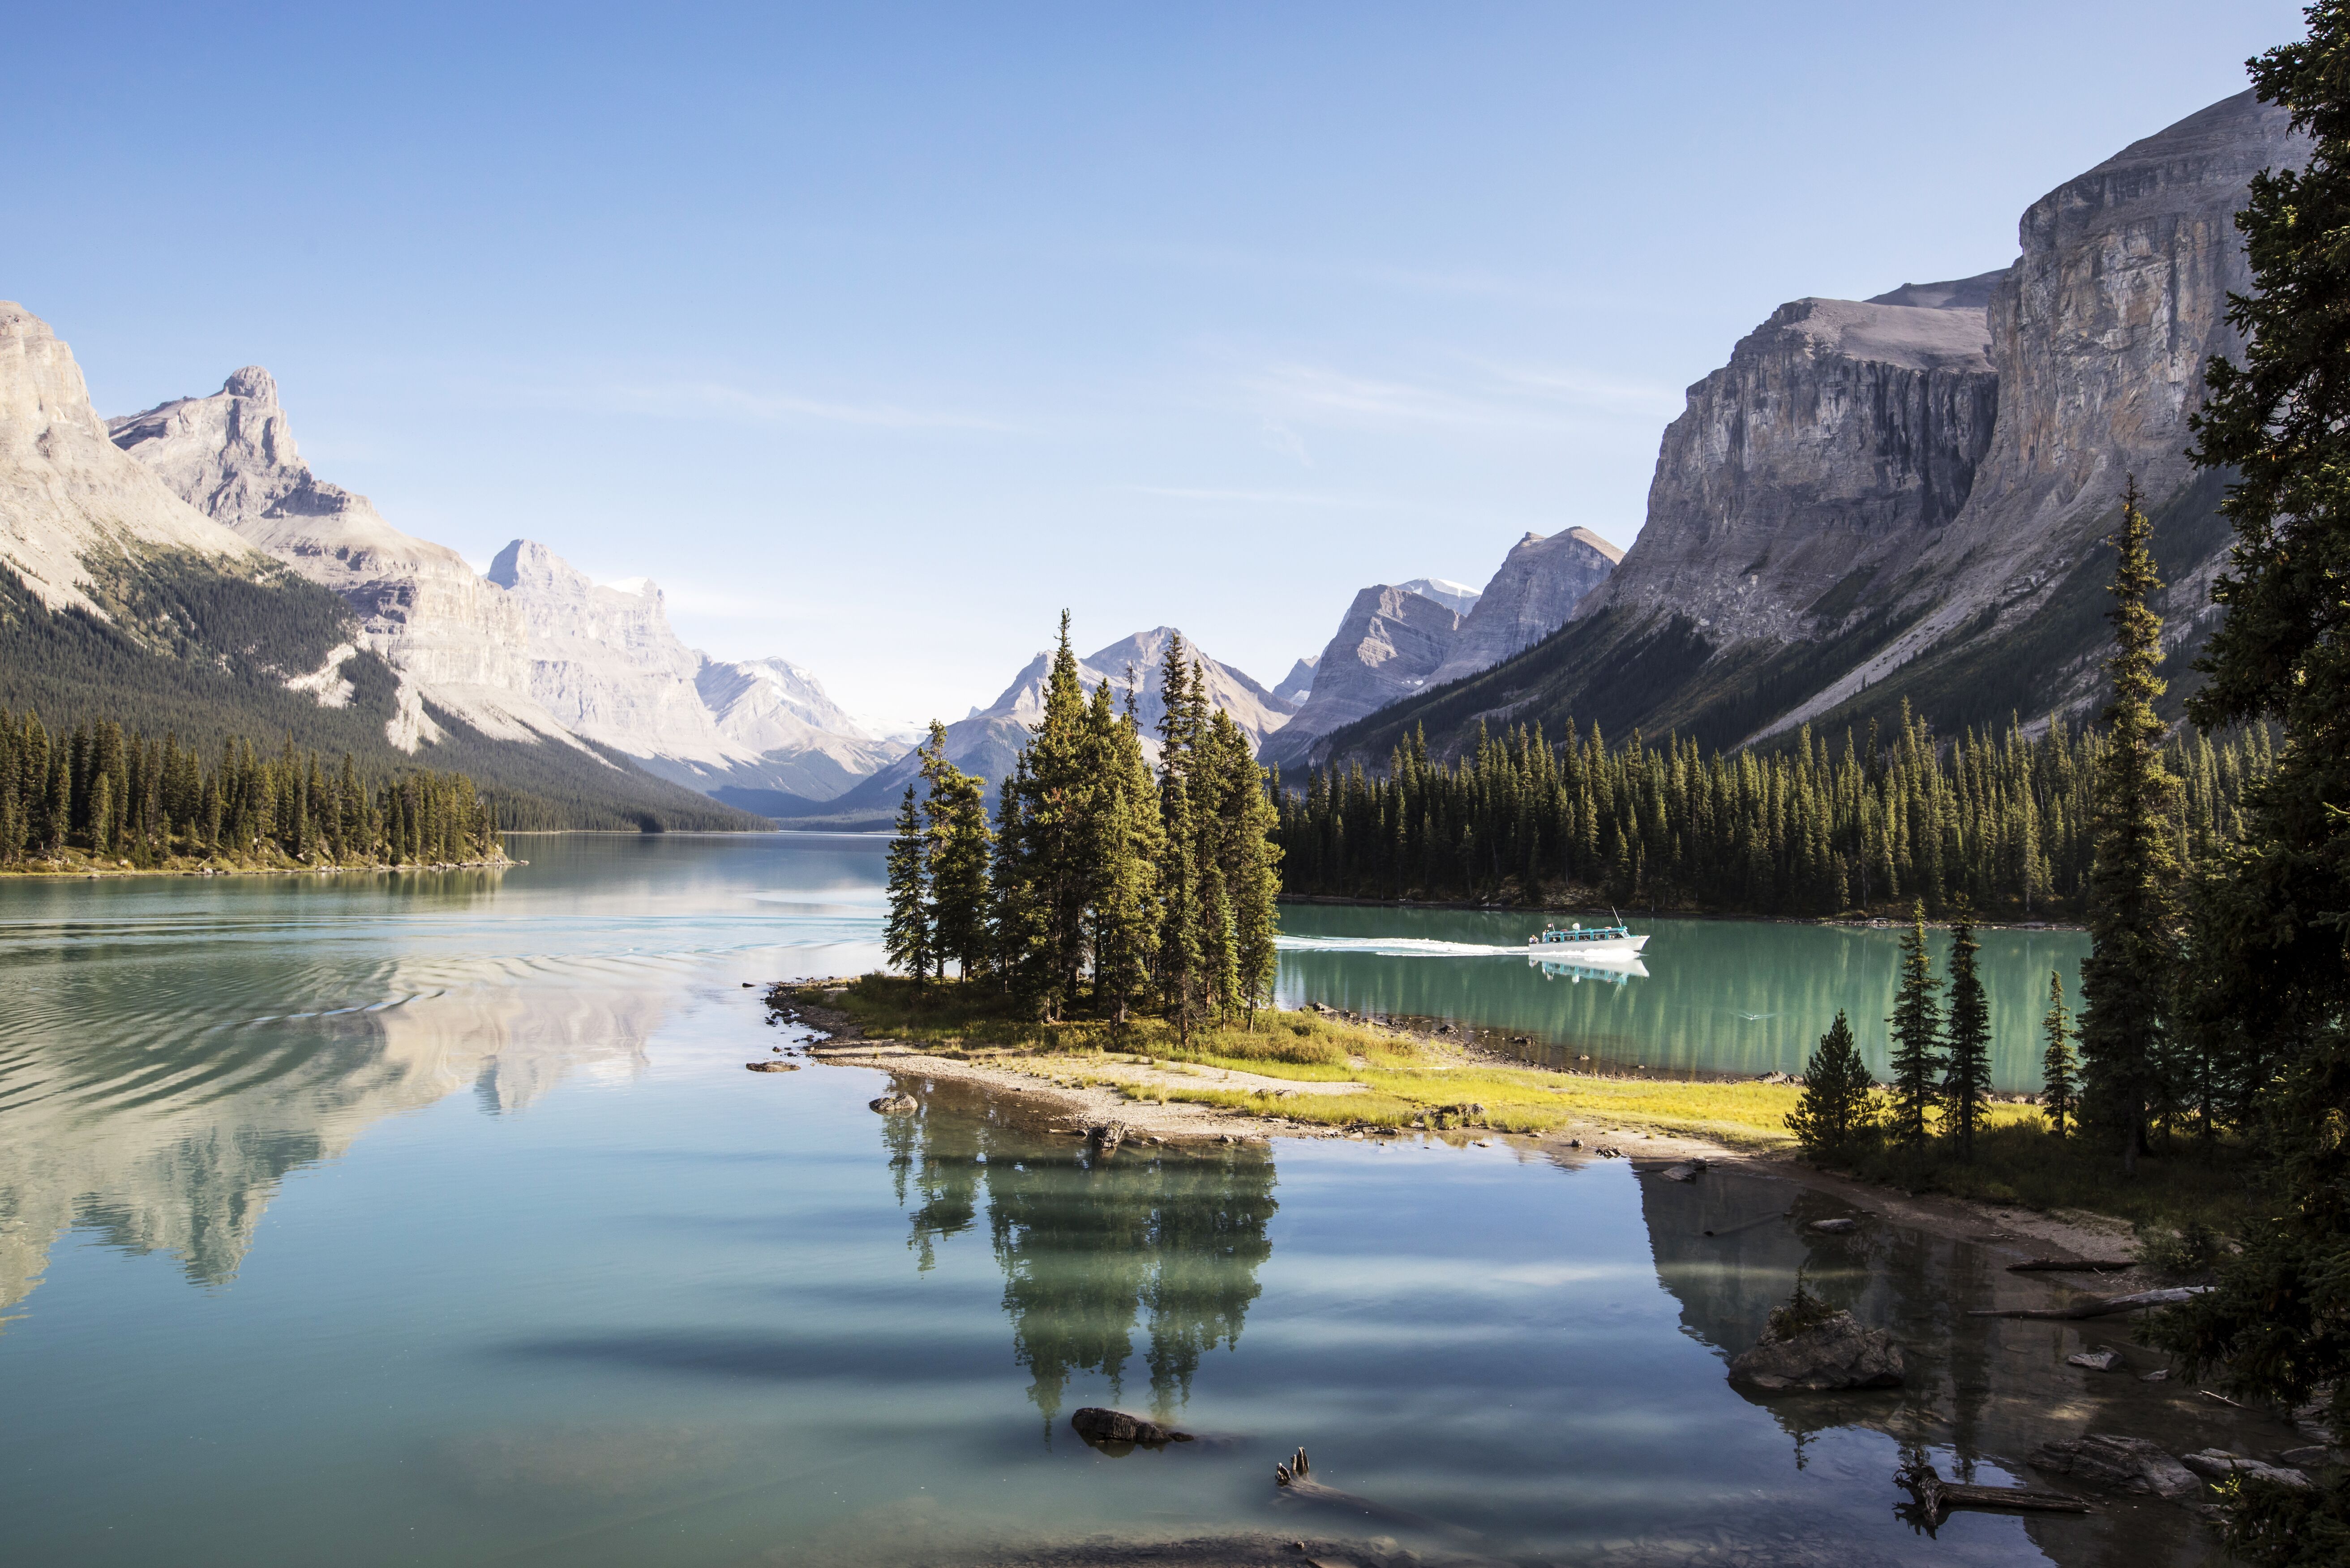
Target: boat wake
column 1397, row 947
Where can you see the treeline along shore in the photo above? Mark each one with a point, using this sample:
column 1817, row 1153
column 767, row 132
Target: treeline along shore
column 98, row 797
column 1874, row 823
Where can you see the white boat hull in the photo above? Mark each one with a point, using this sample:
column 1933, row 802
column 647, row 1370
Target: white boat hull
column 1616, row 948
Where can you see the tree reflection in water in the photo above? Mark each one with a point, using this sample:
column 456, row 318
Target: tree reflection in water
column 1091, row 1244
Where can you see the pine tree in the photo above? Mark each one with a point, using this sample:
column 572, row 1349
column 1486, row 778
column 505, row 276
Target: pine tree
column 1966, row 1064
column 1837, row 1110
column 906, row 934
column 2133, row 876
column 1917, row 1026
column 2281, row 423
column 1130, row 843
column 1254, row 882
column 2058, row 1066
column 1179, row 908
column 957, row 844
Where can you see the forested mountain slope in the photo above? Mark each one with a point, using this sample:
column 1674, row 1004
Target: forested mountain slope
column 119, row 600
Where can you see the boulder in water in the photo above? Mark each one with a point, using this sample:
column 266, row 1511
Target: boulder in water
column 893, row 1105
column 2125, row 1464
column 1836, row 1352
column 1097, row 1425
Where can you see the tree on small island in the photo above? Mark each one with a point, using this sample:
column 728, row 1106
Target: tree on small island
column 1837, row 1112
column 1102, row 887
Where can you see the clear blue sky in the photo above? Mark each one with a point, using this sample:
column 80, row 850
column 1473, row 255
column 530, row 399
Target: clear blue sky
column 877, row 333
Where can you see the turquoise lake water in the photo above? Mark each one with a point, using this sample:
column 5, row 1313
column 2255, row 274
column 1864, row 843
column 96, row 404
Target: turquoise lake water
column 431, row 1219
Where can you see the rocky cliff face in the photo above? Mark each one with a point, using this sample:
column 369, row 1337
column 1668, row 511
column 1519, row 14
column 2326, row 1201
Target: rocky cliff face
column 1396, row 641
column 534, row 651
column 1839, row 437
column 1901, row 499
column 605, row 661
column 1535, row 592
column 2100, row 332
column 67, row 495
column 456, row 641
column 1388, row 646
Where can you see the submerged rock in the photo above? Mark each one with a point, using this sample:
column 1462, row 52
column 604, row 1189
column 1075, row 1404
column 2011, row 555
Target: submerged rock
column 893, row 1105
column 772, row 1066
column 1836, row 1353
column 2127, row 1464
column 1098, row 1425
column 1835, row 1227
column 2095, row 1360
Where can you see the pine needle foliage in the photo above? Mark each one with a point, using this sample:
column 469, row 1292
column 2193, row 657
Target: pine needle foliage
column 1966, row 1059
column 102, row 794
column 2133, row 894
column 2273, row 947
column 1837, row 1112
column 1869, row 821
column 906, row 931
column 2059, row 1067
column 1917, row 1029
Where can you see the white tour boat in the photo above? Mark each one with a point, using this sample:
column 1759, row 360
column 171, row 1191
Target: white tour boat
column 1582, row 942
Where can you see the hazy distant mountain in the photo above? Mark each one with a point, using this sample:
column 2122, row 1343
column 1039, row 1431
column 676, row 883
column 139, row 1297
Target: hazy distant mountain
column 122, row 600
column 987, row 741
column 1299, row 681
column 604, row 661
column 534, row 652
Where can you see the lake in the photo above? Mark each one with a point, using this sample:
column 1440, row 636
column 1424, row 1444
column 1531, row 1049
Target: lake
column 432, row 1217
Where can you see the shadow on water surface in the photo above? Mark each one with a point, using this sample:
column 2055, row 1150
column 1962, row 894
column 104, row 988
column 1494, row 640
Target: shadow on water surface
column 1982, row 1393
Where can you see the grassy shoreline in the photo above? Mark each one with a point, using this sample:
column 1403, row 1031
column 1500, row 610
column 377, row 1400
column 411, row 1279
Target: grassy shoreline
column 1314, row 1069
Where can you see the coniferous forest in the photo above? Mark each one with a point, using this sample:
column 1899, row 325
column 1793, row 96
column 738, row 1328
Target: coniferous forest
column 1870, row 822
column 100, row 794
column 1105, row 887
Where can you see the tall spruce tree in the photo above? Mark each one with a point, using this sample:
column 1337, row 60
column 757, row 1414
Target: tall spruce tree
column 2134, row 875
column 1837, row 1111
column 959, row 845
column 1252, row 874
column 1056, row 785
column 2279, row 1323
column 1128, row 845
column 1917, row 1026
column 1966, row 1034
column 2059, row 1069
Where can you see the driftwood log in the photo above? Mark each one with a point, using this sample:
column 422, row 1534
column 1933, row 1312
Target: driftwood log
column 1936, row 1497
column 2077, row 1266
column 2104, row 1307
column 1296, row 1477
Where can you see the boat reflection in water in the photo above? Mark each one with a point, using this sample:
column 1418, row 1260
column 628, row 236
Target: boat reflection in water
column 1610, row 972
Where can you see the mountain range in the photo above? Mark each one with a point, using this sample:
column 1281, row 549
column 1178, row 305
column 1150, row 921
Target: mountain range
column 1904, row 499
column 1873, row 501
